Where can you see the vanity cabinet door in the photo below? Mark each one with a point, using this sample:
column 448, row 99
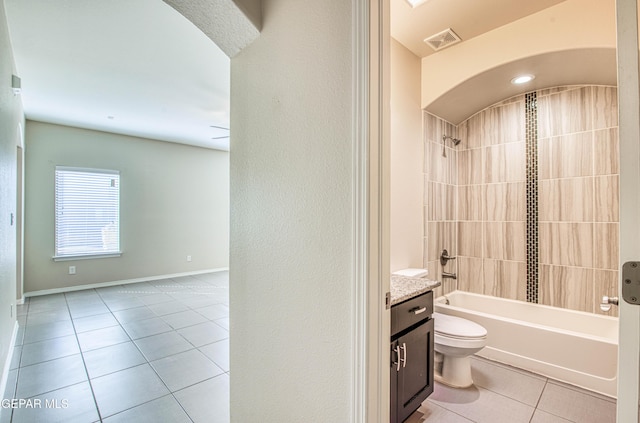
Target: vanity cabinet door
column 415, row 377
column 394, row 382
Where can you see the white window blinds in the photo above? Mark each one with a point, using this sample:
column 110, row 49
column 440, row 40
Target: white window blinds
column 87, row 220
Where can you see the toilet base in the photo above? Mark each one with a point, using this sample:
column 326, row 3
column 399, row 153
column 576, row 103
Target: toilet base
column 456, row 372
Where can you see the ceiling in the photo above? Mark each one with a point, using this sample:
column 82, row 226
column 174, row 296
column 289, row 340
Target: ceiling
column 467, row 18
column 472, row 18
column 138, row 67
column 131, row 67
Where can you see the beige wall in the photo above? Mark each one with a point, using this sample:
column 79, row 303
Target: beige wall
column 174, row 202
column 406, row 160
column 10, row 117
column 291, row 257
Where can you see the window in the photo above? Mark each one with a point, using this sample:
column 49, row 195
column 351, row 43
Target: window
column 87, row 212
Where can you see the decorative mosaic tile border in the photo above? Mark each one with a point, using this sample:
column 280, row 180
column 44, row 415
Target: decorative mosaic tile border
column 531, row 135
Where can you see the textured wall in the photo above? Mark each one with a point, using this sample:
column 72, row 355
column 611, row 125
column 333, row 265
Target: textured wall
column 291, row 223
column 10, row 117
column 174, row 202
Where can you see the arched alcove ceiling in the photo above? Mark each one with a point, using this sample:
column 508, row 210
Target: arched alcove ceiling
column 568, row 67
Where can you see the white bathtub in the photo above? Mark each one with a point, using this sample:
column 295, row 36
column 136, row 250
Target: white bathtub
column 571, row 346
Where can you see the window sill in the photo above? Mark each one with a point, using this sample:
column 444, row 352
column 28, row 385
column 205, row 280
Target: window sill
column 87, row 256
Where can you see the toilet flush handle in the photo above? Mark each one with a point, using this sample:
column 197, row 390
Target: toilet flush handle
column 606, row 303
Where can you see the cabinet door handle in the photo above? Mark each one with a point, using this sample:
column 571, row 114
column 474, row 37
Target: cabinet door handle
column 418, row 310
column 397, row 363
column 404, row 360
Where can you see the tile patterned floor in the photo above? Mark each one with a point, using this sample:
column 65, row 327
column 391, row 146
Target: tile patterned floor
column 503, row 394
column 146, row 352
column 159, row 352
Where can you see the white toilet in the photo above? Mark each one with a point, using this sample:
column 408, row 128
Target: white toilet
column 456, row 339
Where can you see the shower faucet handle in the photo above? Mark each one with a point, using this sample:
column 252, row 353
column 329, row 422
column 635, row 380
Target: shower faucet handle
column 444, row 257
column 606, row 303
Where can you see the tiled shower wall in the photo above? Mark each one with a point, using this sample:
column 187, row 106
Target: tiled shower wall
column 440, row 181
column 481, row 191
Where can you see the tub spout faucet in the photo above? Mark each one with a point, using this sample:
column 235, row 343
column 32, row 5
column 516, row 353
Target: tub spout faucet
column 445, row 257
column 449, row 275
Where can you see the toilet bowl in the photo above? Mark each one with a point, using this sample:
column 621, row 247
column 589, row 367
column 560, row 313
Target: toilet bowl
column 456, row 339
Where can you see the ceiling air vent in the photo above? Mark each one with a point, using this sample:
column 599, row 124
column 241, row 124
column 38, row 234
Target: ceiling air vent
column 442, row 39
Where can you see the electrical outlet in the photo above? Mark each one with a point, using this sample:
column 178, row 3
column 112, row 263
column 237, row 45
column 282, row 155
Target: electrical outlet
column 72, row 270
column 188, row 258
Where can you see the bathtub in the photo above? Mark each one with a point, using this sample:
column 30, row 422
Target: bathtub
column 570, row 346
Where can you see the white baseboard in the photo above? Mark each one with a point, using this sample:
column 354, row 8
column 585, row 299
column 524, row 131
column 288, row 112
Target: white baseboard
column 122, row 282
column 7, row 363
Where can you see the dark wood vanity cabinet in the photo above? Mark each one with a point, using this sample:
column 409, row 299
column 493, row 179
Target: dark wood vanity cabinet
column 412, row 353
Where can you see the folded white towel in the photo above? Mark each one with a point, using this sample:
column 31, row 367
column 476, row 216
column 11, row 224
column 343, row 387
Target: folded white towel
column 411, row 273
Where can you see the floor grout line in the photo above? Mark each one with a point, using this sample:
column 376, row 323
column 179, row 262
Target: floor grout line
column 187, row 297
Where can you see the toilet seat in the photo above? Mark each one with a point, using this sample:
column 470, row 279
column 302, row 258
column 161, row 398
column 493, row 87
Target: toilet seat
column 457, row 328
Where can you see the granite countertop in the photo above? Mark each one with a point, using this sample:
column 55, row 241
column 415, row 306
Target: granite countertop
column 404, row 288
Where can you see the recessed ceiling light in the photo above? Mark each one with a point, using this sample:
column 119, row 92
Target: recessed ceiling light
column 522, row 79
column 416, row 3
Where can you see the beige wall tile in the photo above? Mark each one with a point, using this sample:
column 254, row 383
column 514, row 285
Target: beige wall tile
column 473, row 132
column 470, row 167
column 438, row 167
column 566, row 244
column 441, row 201
column 605, row 105
column 446, row 238
column 425, row 190
column 491, row 198
column 567, row 287
column 431, row 236
column 504, row 124
column 543, row 103
column 606, row 241
column 515, row 241
column 505, row 163
column 494, row 240
column 606, row 198
column 433, row 128
column 605, row 283
column 470, row 201
column 544, row 158
column 504, row 202
column 470, row 274
column 570, row 111
column 547, row 202
column 572, row 155
column 425, row 249
column 505, row 279
column 470, row 239
column 566, row 200
column 606, row 152
column 505, row 240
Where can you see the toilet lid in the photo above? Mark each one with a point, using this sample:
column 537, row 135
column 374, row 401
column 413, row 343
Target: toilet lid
column 457, row 327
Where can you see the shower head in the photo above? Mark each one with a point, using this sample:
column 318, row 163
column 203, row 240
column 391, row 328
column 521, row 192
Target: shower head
column 455, row 141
